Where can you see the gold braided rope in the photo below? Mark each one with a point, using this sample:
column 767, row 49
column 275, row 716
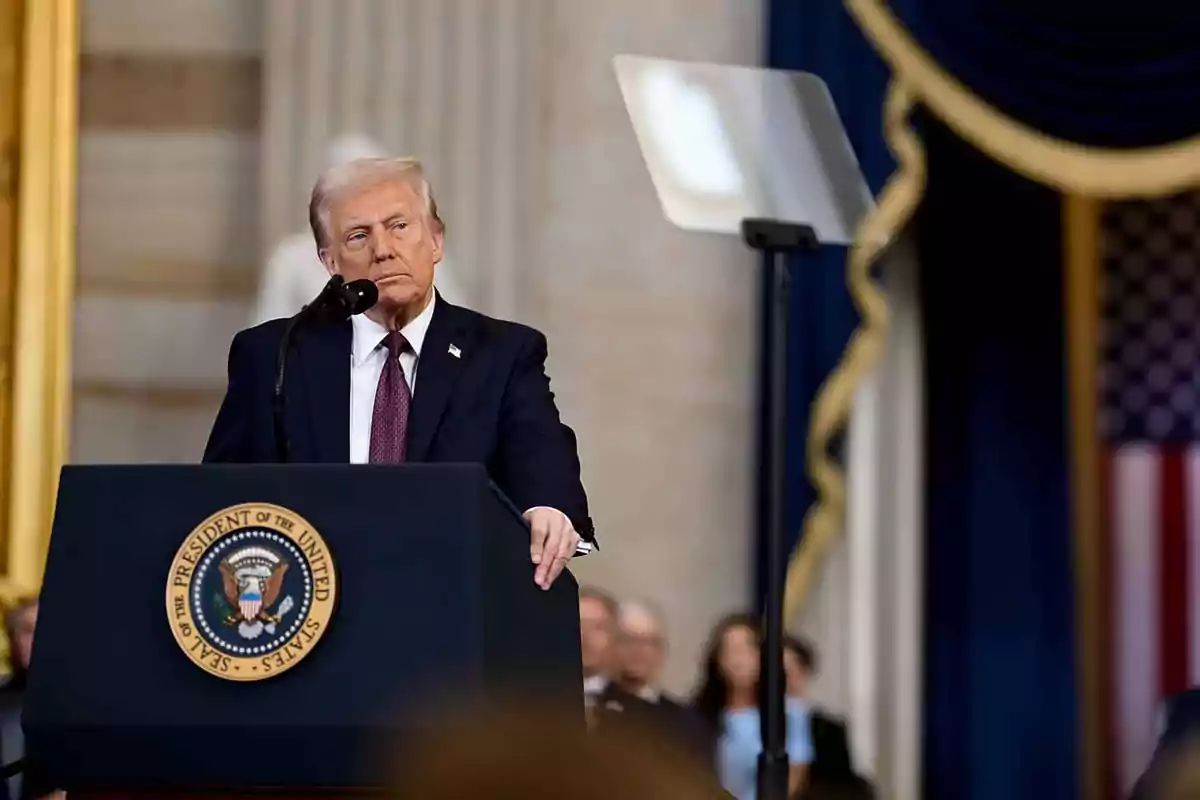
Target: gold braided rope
column 1086, row 173
column 831, row 408
column 1067, row 166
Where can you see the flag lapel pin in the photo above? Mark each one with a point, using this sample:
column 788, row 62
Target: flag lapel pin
column 454, row 351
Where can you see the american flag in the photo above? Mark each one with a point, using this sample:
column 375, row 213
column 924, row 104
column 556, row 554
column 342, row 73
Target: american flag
column 1150, row 420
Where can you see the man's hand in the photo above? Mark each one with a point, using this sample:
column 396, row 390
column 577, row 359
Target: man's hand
column 552, row 542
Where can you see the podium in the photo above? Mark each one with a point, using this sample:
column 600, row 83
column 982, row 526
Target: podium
column 163, row 580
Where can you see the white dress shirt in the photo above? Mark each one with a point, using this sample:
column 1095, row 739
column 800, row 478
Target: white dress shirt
column 367, row 358
column 649, row 694
column 594, row 686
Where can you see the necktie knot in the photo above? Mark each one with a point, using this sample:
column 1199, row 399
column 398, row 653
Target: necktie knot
column 395, row 343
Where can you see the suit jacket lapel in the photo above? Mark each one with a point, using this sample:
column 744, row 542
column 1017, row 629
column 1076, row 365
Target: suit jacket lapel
column 437, row 371
column 324, row 355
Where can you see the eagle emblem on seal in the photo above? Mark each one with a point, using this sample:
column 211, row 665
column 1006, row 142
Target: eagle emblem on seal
column 252, row 581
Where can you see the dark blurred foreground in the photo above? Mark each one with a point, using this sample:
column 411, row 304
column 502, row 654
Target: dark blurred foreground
column 511, row 752
column 508, row 752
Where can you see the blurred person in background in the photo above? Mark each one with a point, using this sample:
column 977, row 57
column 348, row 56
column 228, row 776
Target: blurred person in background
column 1181, row 731
column 615, row 702
column 727, row 700
column 294, row 274
column 20, row 624
column 832, row 767
column 641, row 651
column 597, row 638
column 353, row 384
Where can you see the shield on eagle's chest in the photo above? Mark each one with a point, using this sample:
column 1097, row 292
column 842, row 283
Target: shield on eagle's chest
column 250, row 602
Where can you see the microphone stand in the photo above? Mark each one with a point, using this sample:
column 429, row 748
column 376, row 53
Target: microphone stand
column 337, row 302
column 283, row 448
column 778, row 241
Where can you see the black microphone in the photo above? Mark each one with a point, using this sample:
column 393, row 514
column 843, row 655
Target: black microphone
column 337, row 302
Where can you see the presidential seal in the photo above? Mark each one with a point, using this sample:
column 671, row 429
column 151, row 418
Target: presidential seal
column 250, row 592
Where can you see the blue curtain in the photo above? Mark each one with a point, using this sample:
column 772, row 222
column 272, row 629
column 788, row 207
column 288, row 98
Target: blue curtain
column 1000, row 694
column 1000, row 707
column 1000, row 711
column 1117, row 74
column 819, row 36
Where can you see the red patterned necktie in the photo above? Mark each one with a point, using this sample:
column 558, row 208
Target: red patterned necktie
column 389, row 421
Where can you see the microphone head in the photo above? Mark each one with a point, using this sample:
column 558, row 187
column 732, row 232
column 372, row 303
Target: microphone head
column 360, row 295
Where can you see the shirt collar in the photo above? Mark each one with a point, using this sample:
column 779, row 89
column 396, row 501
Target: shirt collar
column 368, row 333
column 595, row 685
column 649, row 694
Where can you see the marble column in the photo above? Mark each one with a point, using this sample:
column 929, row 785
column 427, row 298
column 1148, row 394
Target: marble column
column 457, row 83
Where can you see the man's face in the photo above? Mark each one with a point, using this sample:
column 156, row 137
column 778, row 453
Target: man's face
column 596, row 635
column 381, row 232
column 797, row 675
column 641, row 649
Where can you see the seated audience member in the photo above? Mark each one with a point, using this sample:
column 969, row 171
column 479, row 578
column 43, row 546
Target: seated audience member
column 597, row 639
column 640, row 653
column 20, row 624
column 611, row 710
column 728, row 700
column 1181, row 731
column 598, row 644
column 832, row 767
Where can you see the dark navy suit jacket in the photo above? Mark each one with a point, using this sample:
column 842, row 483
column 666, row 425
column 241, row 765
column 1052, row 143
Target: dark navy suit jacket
column 490, row 405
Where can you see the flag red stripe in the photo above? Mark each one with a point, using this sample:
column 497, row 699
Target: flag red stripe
column 1173, row 577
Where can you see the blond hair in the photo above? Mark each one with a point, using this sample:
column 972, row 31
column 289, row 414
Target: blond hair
column 359, row 174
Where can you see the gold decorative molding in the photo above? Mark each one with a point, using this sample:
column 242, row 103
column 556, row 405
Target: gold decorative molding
column 45, row 277
column 1086, row 176
column 1081, row 240
column 1067, row 166
column 831, row 408
column 11, row 38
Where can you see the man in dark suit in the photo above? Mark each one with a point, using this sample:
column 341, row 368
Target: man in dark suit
column 619, row 705
column 832, row 767
column 1182, row 728
column 641, row 651
column 414, row 378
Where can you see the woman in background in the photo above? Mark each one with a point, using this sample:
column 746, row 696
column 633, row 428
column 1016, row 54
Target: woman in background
column 728, row 700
